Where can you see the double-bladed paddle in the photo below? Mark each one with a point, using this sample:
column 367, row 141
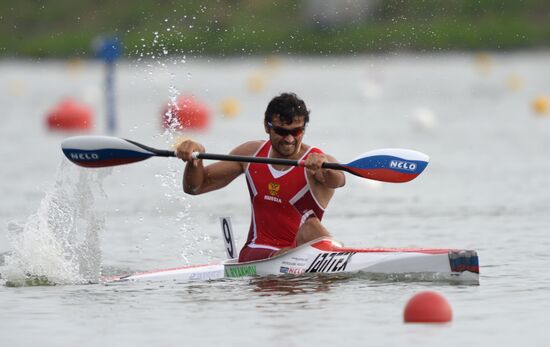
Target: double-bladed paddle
column 394, row 165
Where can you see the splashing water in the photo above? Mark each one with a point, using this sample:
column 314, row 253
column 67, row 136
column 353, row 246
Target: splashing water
column 159, row 51
column 170, row 180
column 171, row 120
column 59, row 244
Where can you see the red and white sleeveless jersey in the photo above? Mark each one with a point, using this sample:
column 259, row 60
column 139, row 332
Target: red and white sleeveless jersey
column 281, row 202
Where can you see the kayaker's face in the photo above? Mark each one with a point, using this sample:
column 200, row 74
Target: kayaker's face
column 286, row 138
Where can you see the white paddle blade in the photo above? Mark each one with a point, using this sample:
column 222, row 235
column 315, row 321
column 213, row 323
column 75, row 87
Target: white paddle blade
column 102, row 151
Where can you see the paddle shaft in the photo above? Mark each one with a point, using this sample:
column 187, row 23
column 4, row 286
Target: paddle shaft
column 274, row 161
column 238, row 158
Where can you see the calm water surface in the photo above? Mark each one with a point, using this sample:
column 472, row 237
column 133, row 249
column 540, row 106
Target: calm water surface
column 486, row 188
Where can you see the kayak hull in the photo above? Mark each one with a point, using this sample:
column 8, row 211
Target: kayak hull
column 328, row 256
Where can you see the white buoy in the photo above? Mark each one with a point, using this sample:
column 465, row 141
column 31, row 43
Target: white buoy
column 424, row 118
column 371, row 89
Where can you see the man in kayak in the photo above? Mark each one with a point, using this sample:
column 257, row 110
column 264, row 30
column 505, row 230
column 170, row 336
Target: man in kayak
column 287, row 202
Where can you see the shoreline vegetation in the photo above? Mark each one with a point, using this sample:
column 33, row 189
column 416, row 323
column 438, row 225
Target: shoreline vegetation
column 152, row 29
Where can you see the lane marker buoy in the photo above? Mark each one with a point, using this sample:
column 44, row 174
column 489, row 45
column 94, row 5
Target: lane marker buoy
column 428, row 307
column 541, row 105
column 69, row 115
column 186, row 113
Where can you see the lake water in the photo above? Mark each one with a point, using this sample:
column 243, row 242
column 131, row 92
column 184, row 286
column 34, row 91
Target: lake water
column 486, row 188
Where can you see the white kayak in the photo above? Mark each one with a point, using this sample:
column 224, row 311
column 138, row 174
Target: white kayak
column 325, row 255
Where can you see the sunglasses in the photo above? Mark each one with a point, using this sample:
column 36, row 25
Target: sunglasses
column 295, row 132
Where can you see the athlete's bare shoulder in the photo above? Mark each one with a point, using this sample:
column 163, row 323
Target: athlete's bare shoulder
column 304, row 148
column 248, row 148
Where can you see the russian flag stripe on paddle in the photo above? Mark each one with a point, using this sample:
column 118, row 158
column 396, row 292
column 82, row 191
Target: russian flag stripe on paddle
column 387, row 168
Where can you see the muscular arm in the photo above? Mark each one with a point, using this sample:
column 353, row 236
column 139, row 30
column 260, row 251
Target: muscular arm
column 323, row 181
column 331, row 179
column 199, row 179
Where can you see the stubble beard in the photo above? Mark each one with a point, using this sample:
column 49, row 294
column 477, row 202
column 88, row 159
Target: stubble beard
column 288, row 151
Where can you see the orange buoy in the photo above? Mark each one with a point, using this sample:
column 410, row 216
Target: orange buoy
column 187, row 113
column 428, row 307
column 69, row 115
column 541, row 105
column 483, row 62
column 256, row 82
column 230, row 107
column 514, row 82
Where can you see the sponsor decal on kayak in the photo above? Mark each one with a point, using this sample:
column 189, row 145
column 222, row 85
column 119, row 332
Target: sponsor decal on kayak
column 240, row 271
column 291, row 270
column 299, row 259
column 330, row 262
column 206, row 275
column 295, row 262
column 404, row 165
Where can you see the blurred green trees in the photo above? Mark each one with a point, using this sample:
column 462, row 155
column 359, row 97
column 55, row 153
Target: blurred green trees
column 66, row 28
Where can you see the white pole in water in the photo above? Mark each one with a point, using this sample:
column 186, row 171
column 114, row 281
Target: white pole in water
column 110, row 98
column 109, row 50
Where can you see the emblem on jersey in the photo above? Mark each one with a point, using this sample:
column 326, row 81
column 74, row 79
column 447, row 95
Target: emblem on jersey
column 273, row 188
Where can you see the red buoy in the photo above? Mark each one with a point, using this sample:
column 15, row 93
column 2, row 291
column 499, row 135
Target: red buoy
column 428, row 307
column 69, row 115
column 187, row 113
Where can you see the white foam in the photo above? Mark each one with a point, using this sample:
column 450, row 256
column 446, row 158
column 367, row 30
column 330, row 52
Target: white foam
column 59, row 244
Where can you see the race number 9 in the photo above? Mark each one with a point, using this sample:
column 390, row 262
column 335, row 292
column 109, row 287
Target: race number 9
column 229, row 242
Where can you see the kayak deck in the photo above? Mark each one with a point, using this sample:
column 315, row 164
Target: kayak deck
column 328, row 256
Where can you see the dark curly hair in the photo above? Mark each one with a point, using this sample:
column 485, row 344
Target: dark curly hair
column 287, row 106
